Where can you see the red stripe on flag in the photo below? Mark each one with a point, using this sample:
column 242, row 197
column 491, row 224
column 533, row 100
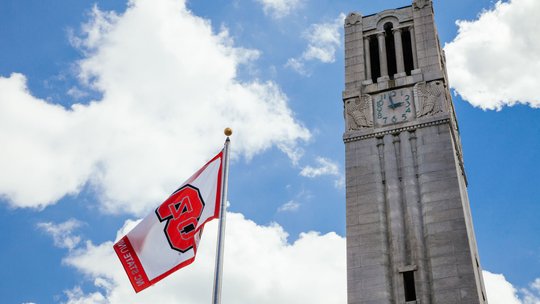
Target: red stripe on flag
column 170, row 271
column 132, row 264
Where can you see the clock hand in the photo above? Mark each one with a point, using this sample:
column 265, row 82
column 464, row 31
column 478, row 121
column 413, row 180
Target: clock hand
column 392, row 104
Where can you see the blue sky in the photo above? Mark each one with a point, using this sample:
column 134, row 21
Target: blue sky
column 106, row 106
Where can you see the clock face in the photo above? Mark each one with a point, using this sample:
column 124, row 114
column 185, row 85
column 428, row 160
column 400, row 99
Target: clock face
column 392, row 107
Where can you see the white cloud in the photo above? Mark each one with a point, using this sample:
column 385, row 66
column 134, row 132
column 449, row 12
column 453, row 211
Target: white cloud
column 536, row 284
column 325, row 166
column 494, row 60
column 280, row 8
column 255, row 256
column 531, row 295
column 77, row 296
column 323, row 41
column 297, row 64
column 289, row 206
column 500, row 291
column 169, row 89
column 62, row 233
column 77, row 93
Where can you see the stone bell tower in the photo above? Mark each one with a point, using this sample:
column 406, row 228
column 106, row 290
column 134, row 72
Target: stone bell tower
column 410, row 237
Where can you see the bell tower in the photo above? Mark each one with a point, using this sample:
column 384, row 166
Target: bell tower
column 410, row 236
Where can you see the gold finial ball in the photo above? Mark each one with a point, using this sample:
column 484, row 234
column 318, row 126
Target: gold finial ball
column 228, row 131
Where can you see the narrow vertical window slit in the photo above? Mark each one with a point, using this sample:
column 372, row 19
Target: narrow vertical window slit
column 408, row 285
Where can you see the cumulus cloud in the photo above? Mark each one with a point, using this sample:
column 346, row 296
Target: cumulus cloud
column 323, row 41
column 280, row 8
column 495, row 59
column 260, row 267
column 168, row 86
column 500, row 291
column 62, row 233
column 256, row 256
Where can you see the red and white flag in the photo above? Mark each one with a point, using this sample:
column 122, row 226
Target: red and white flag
column 167, row 239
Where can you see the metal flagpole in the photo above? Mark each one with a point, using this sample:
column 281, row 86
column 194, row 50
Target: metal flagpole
column 216, row 296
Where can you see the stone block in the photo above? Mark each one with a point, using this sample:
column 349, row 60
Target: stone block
column 377, row 281
column 441, row 250
column 446, row 157
column 359, row 181
column 367, row 272
column 447, row 297
column 440, row 185
column 436, row 167
column 465, row 269
column 444, row 215
column 366, row 247
column 446, row 283
column 468, row 295
column 437, row 175
column 444, row 271
column 449, row 194
column 444, row 227
column 435, row 206
column 368, row 218
column 373, row 259
column 441, row 261
column 365, row 229
column 366, row 240
column 358, row 258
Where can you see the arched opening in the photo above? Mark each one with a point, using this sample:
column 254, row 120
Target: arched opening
column 390, row 49
column 374, row 60
column 407, row 51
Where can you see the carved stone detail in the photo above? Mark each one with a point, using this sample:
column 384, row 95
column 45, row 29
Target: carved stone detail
column 350, row 138
column 430, row 98
column 418, row 4
column 358, row 113
column 377, row 21
column 352, row 19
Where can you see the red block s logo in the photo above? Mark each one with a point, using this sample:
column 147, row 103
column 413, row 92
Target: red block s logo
column 182, row 211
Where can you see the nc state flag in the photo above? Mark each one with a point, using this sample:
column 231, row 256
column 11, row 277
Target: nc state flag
column 166, row 239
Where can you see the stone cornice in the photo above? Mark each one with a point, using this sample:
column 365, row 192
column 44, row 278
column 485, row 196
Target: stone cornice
column 350, row 136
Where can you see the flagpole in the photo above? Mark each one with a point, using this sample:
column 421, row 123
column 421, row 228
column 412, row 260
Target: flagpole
column 218, row 274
